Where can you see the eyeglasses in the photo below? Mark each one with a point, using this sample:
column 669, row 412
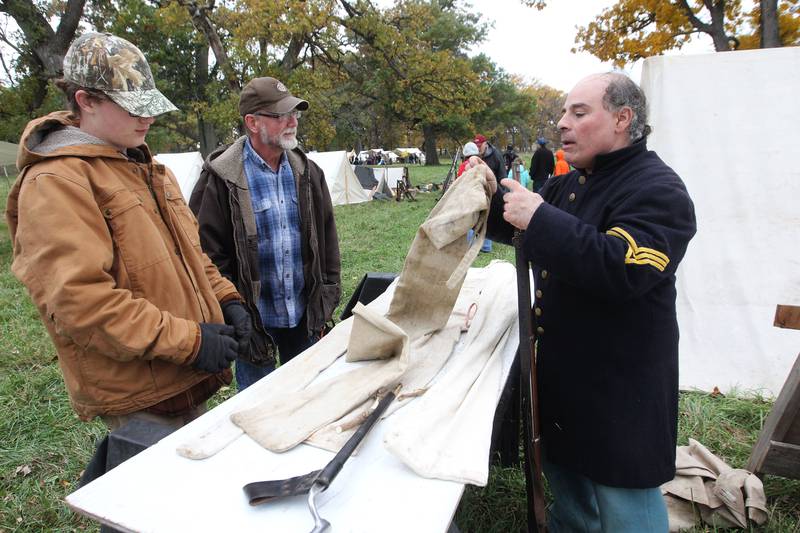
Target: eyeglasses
column 281, row 116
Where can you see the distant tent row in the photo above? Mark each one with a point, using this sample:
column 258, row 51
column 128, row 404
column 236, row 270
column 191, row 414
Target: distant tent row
column 343, row 184
column 381, row 156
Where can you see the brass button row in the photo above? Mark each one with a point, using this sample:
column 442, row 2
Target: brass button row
column 572, row 197
column 582, row 180
column 544, row 274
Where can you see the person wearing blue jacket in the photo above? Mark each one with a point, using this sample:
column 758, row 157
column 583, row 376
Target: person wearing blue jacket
column 518, row 173
column 605, row 241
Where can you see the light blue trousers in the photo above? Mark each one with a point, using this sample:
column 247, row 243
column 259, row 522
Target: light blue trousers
column 581, row 505
column 487, row 243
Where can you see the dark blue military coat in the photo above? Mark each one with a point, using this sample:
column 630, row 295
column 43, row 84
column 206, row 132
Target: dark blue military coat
column 605, row 248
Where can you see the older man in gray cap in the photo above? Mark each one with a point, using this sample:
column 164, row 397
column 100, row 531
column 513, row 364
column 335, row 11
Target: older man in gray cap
column 266, row 220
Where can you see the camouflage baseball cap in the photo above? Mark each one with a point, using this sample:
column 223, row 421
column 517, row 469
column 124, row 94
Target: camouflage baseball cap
column 117, row 68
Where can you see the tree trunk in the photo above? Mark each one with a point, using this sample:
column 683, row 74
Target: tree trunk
column 289, row 59
column 717, row 27
column 47, row 47
column 206, row 133
column 202, row 22
column 718, row 35
column 209, row 140
column 770, row 33
column 431, row 155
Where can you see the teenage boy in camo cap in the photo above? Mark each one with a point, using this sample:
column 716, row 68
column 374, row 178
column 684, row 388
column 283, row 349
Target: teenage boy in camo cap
column 110, row 253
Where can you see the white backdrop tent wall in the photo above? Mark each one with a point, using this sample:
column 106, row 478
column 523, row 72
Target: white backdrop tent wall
column 727, row 123
column 342, row 181
column 186, row 166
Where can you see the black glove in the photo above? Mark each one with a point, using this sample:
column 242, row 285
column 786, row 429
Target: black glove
column 236, row 315
column 218, row 348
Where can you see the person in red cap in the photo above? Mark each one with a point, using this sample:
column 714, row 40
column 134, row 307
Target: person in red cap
column 266, row 220
column 490, row 156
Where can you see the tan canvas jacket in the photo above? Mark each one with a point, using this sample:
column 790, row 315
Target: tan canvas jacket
column 111, row 256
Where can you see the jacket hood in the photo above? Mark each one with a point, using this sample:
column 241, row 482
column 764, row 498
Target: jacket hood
column 560, row 154
column 58, row 134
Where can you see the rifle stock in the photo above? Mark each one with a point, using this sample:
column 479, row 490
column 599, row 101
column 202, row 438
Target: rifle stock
column 529, row 391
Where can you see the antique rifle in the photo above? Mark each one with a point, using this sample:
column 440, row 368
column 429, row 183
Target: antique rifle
column 534, row 487
column 451, row 174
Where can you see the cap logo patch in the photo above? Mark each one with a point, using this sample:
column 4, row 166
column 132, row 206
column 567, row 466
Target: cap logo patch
column 281, row 87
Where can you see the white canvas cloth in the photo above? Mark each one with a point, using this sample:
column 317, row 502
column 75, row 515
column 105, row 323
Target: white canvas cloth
column 443, row 434
column 727, row 124
column 455, row 423
column 186, row 166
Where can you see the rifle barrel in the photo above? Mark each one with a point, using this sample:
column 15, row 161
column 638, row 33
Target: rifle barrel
column 529, row 391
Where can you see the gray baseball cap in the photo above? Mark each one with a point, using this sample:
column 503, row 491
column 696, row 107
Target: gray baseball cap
column 117, row 68
column 270, row 95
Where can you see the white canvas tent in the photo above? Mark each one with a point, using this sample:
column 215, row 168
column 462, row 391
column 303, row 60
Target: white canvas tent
column 8, row 159
column 186, row 166
column 727, row 123
column 342, row 182
column 389, row 175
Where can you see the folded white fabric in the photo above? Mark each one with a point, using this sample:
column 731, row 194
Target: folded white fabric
column 446, row 433
column 409, row 344
column 427, row 355
column 295, row 376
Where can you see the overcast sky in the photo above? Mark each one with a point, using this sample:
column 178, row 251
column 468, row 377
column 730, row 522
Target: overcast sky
column 536, row 44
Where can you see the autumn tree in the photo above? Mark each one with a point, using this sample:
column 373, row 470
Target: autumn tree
column 413, row 66
column 635, row 29
column 549, row 105
column 509, row 113
column 40, row 48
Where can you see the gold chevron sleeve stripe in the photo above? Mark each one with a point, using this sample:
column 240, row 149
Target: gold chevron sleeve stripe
column 637, row 255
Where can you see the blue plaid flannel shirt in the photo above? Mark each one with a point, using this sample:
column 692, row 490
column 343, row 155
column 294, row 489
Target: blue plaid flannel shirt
column 280, row 258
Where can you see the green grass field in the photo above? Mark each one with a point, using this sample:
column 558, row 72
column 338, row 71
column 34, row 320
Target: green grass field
column 43, row 446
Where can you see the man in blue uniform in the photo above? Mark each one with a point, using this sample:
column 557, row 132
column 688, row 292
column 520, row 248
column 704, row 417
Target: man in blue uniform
column 605, row 241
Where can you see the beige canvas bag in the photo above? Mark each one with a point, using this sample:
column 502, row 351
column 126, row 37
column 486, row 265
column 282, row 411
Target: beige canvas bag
column 705, row 488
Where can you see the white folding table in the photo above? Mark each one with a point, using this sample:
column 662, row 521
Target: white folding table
column 159, row 490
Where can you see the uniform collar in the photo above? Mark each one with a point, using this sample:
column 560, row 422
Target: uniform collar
column 613, row 160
